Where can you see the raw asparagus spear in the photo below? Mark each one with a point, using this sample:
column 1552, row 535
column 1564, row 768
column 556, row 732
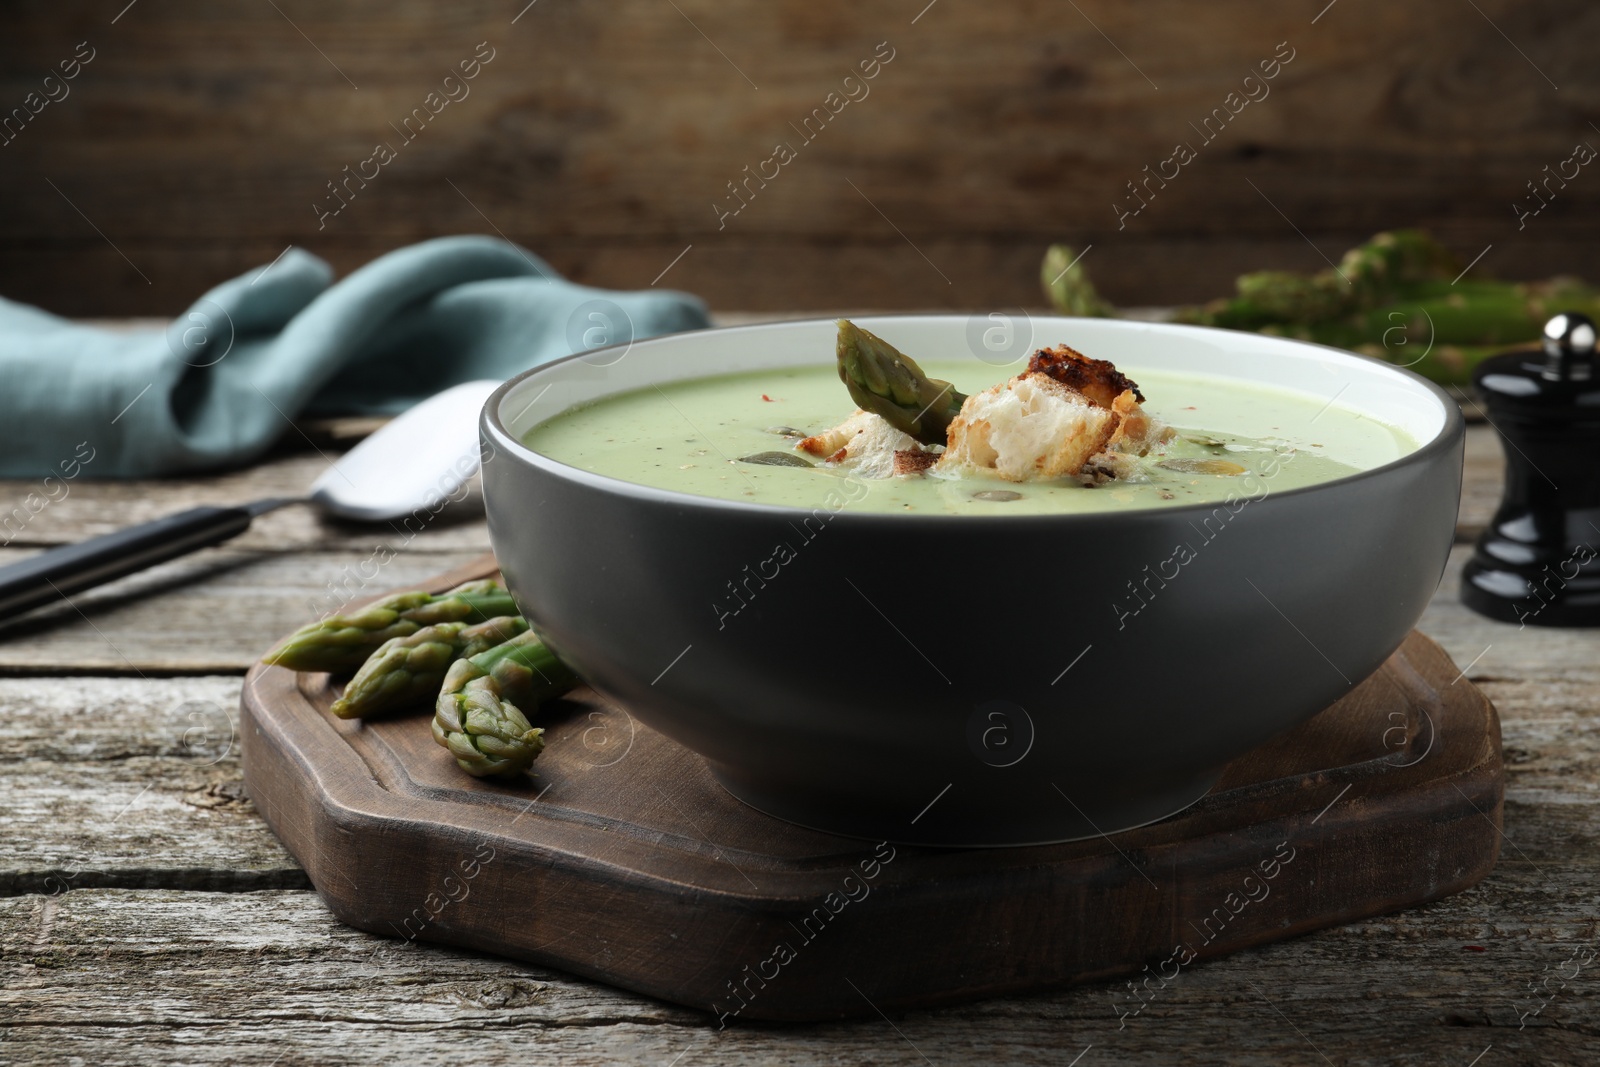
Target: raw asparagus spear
column 479, row 715
column 407, row 671
column 343, row 642
column 1068, row 285
column 487, row 734
column 883, row 380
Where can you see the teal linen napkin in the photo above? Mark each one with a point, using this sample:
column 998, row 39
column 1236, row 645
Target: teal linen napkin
column 224, row 381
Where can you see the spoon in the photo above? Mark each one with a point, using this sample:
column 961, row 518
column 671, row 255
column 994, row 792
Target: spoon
column 409, row 464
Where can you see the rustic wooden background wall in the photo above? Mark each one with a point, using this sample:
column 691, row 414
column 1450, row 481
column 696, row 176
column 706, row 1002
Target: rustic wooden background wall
column 196, row 140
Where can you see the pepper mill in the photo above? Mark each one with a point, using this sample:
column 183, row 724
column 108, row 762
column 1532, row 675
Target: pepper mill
column 1536, row 563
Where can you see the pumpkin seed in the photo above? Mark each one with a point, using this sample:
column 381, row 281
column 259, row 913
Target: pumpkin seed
column 776, row 459
column 1201, row 466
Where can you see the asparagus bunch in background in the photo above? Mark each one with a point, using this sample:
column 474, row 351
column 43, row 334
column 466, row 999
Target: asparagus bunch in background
column 482, row 712
column 885, row 381
column 343, row 642
column 407, row 671
column 1398, row 297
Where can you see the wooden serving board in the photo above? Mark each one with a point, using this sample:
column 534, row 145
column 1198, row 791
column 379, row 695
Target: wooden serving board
column 622, row 860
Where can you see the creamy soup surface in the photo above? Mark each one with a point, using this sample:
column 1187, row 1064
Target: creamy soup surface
column 691, row 437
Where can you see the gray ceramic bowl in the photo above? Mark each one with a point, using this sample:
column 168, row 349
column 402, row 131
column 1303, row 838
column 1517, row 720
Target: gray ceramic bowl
column 1014, row 698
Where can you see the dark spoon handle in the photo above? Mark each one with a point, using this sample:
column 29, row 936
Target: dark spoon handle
column 59, row 572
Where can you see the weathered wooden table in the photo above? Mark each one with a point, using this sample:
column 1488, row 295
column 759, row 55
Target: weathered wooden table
column 148, row 915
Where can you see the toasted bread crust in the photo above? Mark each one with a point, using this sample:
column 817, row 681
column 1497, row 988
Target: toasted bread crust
column 828, row 441
column 913, row 461
column 1097, row 379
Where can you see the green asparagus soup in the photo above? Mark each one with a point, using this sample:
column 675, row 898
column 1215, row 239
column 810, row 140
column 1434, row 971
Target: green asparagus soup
column 695, row 436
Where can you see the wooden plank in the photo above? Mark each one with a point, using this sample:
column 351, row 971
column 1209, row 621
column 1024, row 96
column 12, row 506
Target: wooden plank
column 215, row 611
column 129, row 782
column 1377, row 989
column 1496, row 650
column 87, row 508
column 141, row 778
column 76, row 752
column 164, row 621
column 124, row 977
column 1483, row 478
column 816, row 274
column 989, row 133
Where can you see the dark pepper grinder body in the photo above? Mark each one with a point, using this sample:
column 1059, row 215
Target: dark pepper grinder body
column 1538, row 562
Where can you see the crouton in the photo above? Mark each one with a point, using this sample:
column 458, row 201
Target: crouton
column 1137, row 433
column 864, row 443
column 1031, row 427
